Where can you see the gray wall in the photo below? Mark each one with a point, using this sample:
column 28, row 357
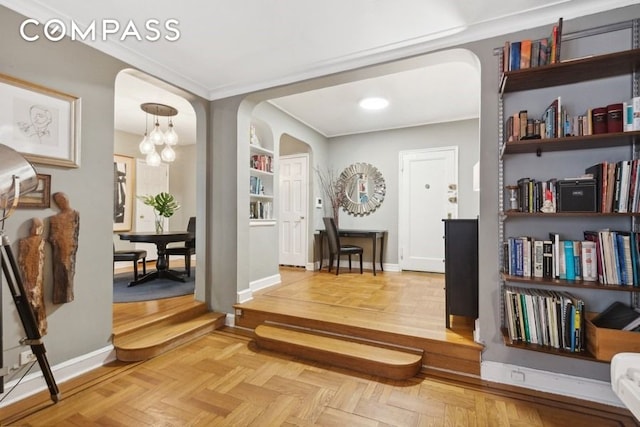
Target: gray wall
column 84, row 325
column 382, row 150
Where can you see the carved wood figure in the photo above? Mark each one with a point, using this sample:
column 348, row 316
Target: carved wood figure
column 63, row 236
column 31, row 263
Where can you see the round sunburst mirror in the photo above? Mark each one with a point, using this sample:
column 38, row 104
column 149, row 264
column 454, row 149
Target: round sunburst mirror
column 364, row 188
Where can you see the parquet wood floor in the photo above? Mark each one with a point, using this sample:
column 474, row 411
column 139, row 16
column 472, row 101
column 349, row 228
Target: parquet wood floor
column 223, row 380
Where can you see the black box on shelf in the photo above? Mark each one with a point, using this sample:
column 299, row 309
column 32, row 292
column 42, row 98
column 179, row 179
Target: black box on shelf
column 577, row 195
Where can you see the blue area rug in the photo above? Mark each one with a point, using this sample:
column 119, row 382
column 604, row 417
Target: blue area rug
column 154, row 289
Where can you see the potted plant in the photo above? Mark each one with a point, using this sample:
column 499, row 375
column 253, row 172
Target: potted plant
column 164, row 206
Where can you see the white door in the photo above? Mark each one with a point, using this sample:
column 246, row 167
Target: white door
column 428, row 194
column 294, row 203
column 149, row 180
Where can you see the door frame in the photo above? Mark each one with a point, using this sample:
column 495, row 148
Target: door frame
column 305, row 247
column 402, row 191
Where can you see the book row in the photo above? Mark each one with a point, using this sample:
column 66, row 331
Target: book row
column 529, row 53
column 260, row 210
column 256, row 185
column 550, row 259
column 605, row 256
column 617, row 186
column 261, row 162
column 555, row 121
column 607, row 187
column 548, row 318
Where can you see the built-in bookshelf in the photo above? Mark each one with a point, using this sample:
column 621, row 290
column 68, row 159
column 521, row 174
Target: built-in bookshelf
column 261, row 179
column 566, row 72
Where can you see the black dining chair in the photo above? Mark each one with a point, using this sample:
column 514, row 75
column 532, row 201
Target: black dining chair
column 133, row 255
column 336, row 249
column 187, row 250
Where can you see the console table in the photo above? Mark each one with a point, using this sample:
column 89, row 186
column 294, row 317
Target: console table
column 161, row 240
column 373, row 235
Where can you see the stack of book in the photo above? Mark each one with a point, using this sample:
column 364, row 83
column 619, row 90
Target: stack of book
column 532, row 195
column 261, row 162
column 550, row 259
column 256, row 186
column 618, row 316
column 556, row 122
column 260, row 210
column 533, row 53
column 617, row 185
column 604, row 256
column 548, row 318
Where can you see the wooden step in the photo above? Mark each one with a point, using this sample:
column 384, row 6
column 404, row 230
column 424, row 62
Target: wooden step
column 185, row 310
column 445, row 350
column 340, row 351
column 146, row 342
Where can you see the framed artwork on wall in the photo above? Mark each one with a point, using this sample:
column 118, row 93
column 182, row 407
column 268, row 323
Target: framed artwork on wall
column 123, row 176
column 40, row 198
column 40, row 123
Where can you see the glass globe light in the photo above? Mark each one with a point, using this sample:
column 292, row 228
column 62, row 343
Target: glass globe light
column 156, row 135
column 153, row 159
column 168, row 155
column 145, row 146
column 170, row 136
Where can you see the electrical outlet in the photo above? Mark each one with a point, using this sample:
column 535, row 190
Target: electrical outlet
column 27, row 357
column 517, row 376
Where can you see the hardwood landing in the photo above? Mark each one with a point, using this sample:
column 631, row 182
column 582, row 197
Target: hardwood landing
column 404, row 309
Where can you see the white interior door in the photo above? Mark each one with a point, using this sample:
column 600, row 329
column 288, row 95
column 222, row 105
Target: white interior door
column 149, row 180
column 428, row 194
column 293, row 209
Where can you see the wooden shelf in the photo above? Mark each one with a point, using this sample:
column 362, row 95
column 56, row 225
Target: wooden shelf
column 572, row 71
column 567, row 143
column 514, row 214
column 584, row 355
column 568, row 283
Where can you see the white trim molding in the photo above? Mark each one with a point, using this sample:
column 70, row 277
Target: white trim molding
column 257, row 285
column 35, row 383
column 550, row 382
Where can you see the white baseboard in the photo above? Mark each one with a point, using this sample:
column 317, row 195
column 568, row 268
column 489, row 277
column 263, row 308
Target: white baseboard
column 247, row 294
column 34, row 383
column 550, row 382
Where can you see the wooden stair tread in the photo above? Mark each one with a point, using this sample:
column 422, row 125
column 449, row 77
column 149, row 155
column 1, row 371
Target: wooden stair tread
column 340, row 351
column 162, row 332
column 363, row 319
column 188, row 309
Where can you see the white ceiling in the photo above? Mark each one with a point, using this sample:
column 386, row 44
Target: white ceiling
column 229, row 47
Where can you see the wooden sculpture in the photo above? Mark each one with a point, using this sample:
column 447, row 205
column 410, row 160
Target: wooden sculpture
column 31, row 263
column 63, row 236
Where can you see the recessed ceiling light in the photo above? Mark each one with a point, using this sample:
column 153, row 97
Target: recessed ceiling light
column 374, row 103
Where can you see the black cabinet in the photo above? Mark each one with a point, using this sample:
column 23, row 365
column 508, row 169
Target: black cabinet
column 461, row 267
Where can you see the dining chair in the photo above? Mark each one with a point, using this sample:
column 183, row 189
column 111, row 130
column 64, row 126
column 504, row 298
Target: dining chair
column 133, row 255
column 336, row 249
column 188, row 249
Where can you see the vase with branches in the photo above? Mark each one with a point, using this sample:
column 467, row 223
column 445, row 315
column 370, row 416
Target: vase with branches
column 164, row 206
column 332, row 189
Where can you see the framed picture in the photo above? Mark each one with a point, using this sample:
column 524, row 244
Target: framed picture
column 40, row 198
column 123, row 177
column 40, row 123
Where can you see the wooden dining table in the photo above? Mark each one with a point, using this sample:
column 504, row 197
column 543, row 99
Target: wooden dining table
column 161, row 240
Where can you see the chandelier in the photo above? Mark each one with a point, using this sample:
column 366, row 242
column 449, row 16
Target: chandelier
column 167, row 138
